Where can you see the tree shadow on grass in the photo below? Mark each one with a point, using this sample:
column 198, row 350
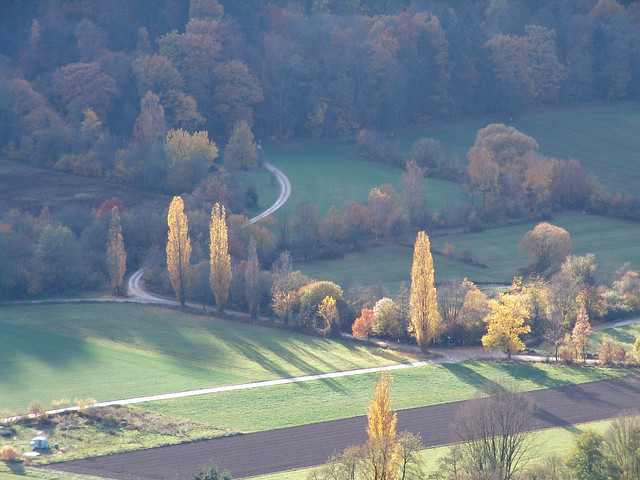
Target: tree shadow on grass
column 529, row 372
column 253, row 353
column 466, row 374
column 46, row 347
column 16, row 468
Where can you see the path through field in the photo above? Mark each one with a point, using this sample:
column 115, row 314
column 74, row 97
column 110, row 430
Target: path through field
column 307, row 445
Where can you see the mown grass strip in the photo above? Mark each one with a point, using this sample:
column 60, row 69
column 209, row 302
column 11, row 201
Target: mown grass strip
column 316, row 401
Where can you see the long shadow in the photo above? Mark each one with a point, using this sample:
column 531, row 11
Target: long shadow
column 545, row 419
column 530, row 372
column 246, row 348
column 47, row 347
column 466, row 374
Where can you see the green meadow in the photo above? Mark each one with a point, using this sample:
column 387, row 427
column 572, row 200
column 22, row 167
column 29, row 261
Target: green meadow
column 612, row 241
column 114, row 351
column 330, row 399
column 328, row 174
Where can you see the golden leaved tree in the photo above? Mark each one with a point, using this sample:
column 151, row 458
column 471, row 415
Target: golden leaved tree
column 381, row 428
column 178, row 248
column 116, row 255
column 423, row 306
column 219, row 258
column 505, row 324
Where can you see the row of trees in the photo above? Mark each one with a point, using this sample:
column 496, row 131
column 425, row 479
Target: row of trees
column 557, row 307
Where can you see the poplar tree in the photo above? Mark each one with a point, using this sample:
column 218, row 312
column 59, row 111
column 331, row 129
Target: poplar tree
column 178, row 248
column 116, row 255
column 252, row 279
column 219, row 258
column 423, row 306
column 381, row 428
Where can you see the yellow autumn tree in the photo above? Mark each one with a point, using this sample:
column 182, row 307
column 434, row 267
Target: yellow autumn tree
column 423, row 306
column 178, row 248
column 381, row 446
column 505, row 324
column 219, row 258
column 116, row 255
column 328, row 310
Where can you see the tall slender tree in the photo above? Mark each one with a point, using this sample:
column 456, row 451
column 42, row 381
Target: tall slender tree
column 219, row 258
column 381, row 428
column 423, row 306
column 116, row 255
column 178, row 248
column 252, row 278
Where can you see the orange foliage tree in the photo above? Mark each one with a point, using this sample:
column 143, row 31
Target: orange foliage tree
column 363, row 325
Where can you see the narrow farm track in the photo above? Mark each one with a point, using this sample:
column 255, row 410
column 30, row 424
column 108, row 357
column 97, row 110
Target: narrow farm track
column 137, row 292
column 307, row 445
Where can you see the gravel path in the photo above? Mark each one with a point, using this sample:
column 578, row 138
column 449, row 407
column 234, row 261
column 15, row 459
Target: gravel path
column 307, row 445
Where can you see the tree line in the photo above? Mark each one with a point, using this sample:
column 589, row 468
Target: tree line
column 555, row 303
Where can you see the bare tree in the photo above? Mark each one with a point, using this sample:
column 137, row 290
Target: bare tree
column 493, row 432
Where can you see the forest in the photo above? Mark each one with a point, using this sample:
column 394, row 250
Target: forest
column 171, row 97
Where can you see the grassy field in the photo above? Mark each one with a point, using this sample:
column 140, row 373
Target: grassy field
column 613, row 242
column 112, row 351
column 316, row 401
column 328, row 174
column 603, row 139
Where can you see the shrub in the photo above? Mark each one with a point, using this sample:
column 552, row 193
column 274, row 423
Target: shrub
column 8, row 453
column 37, row 409
column 89, row 402
column 62, row 403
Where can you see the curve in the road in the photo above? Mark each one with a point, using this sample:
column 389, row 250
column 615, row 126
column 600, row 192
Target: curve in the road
column 138, row 294
column 285, row 192
column 307, row 445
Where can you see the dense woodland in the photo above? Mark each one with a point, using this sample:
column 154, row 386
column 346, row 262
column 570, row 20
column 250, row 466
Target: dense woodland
column 93, row 87
column 170, row 96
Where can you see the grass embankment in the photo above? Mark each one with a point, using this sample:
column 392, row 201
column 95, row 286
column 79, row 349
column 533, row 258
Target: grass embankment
column 613, row 242
column 113, row 351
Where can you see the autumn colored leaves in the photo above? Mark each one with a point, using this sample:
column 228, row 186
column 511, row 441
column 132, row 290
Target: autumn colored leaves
column 179, row 252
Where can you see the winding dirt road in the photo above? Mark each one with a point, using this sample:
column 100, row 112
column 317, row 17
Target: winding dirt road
column 136, row 290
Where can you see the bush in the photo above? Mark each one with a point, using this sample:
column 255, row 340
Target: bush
column 37, row 410
column 609, row 354
column 62, row 403
column 8, row 453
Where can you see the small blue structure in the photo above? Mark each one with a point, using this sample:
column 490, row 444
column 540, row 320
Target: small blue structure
column 40, row 443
